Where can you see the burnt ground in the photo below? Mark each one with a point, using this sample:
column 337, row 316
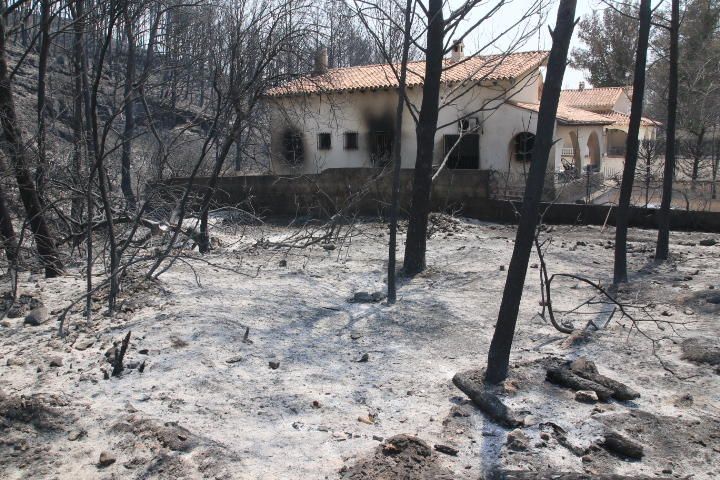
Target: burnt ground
column 349, row 377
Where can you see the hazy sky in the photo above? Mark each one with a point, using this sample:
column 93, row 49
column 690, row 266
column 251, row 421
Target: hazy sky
column 511, row 13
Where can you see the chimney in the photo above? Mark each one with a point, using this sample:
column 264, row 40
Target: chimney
column 582, row 86
column 321, row 62
column 458, row 51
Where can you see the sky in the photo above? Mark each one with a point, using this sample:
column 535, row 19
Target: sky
column 541, row 40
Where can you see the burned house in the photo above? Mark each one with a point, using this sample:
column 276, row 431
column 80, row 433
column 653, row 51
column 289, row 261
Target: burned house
column 344, row 117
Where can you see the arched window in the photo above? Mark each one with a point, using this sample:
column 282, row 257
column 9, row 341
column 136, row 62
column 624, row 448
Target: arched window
column 522, row 146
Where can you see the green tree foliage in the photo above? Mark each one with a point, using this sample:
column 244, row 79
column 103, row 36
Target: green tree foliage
column 608, row 46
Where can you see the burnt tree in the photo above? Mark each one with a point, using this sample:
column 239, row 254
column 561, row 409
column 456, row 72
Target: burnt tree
column 16, row 150
column 662, row 249
column 396, row 157
column 415, row 244
column 632, row 146
column 499, row 353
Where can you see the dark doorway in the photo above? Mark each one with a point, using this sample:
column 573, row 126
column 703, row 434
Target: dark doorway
column 466, row 154
column 381, row 148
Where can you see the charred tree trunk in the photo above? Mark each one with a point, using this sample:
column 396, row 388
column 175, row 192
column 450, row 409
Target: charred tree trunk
column 416, row 242
column 204, row 243
column 17, row 153
column 41, row 170
column 499, row 354
column 632, row 146
column 79, row 146
column 397, row 157
column 129, row 111
column 662, row 249
column 698, row 154
column 7, row 232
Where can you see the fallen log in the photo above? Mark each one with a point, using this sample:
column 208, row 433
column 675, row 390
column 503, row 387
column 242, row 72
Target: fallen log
column 472, row 384
column 620, row 391
column 587, row 369
column 566, row 378
column 619, row 444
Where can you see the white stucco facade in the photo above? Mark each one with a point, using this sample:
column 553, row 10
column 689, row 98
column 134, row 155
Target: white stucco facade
column 370, row 112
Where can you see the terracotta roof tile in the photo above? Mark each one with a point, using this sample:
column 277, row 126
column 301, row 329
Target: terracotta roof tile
column 620, row 119
column 569, row 115
column 594, row 98
column 381, row 76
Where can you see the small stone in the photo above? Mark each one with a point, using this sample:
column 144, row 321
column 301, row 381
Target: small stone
column 355, row 336
column 37, row 316
column 530, row 420
column 377, row 438
column 586, row 396
column 282, row 263
column 274, row 365
column 329, row 247
column 582, row 364
column 545, row 436
column 106, row 459
column 502, row 268
column 586, row 459
column 667, row 313
column 315, row 404
column 534, row 265
column 235, row 359
column 517, row 440
column 366, row 297
column 684, row 400
column 365, row 357
column 708, row 242
column 447, row 450
column 15, row 362
column 689, row 311
column 144, row 351
column 83, row 343
column 56, row 362
column 510, row 387
column 75, row 435
column 6, row 323
column 580, row 243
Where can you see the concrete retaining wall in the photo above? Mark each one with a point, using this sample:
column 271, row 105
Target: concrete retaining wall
column 367, row 191
column 361, row 190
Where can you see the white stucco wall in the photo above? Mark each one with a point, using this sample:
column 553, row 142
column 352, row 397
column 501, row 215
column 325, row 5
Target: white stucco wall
column 583, row 132
column 356, row 112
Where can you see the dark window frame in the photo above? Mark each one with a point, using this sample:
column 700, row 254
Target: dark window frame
column 523, row 144
column 351, row 145
column 293, row 151
column 324, row 141
column 381, row 143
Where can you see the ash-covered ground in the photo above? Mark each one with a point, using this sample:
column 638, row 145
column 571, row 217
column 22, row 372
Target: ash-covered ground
column 321, row 383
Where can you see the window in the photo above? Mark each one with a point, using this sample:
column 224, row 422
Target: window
column 522, row 146
column 324, row 141
column 466, row 151
column 293, row 148
column 381, row 148
column 351, row 141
